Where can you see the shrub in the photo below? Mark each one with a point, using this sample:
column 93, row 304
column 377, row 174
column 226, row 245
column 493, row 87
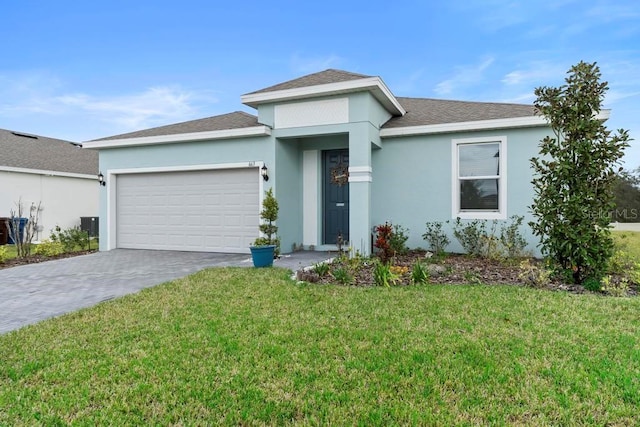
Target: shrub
column 322, row 268
column 48, row 248
column 513, row 243
column 478, row 239
column 437, row 239
column 342, row 275
column 391, row 240
column 383, row 275
column 3, row 254
column 419, row 274
column 70, row 238
column 383, row 241
column 471, row 235
column 592, row 284
column 615, row 287
column 268, row 227
column 398, row 239
column 534, row 275
column 625, row 265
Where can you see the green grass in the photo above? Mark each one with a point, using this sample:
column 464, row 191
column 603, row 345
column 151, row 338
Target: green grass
column 629, row 241
column 247, row 346
column 12, row 252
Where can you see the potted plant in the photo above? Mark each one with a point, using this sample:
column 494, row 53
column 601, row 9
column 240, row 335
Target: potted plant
column 267, row 247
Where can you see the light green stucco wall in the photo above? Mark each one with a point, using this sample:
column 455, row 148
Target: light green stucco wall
column 411, row 176
column 412, row 180
column 216, row 152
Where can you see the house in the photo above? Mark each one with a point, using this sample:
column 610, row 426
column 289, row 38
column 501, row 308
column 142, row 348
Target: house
column 342, row 154
column 55, row 173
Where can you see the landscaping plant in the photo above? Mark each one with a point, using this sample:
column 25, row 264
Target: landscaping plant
column 437, row 239
column 48, row 248
column 383, row 275
column 419, row 274
column 268, row 227
column 511, row 239
column 22, row 239
column 391, row 241
column 70, row 238
column 575, row 175
column 471, row 235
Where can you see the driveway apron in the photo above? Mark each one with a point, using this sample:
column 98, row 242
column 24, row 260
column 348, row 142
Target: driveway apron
column 31, row 293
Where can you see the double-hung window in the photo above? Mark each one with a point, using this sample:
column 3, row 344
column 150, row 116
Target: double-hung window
column 479, row 178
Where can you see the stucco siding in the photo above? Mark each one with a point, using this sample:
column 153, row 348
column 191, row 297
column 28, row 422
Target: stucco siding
column 63, row 199
column 193, row 154
column 412, row 180
column 289, row 193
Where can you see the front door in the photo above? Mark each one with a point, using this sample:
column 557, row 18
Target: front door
column 336, row 196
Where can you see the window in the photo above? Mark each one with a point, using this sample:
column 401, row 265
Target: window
column 479, row 178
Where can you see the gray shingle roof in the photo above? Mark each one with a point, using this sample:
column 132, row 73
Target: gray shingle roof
column 420, row 111
column 320, row 78
column 22, row 150
column 427, row 111
column 235, row 120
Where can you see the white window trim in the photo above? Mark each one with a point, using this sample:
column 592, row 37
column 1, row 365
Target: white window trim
column 455, row 193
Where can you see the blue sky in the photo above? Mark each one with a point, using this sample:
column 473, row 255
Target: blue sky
column 84, row 70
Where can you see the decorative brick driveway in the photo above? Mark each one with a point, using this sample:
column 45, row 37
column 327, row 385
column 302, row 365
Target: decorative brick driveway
column 30, row 293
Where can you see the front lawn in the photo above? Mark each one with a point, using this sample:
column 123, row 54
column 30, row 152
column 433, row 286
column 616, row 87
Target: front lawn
column 247, row 346
column 628, row 241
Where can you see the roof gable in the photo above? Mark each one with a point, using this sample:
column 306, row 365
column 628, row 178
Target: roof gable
column 326, row 83
column 323, row 77
column 27, row 151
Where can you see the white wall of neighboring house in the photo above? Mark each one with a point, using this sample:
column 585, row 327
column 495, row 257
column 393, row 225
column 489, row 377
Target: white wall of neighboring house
column 64, row 198
column 626, row 226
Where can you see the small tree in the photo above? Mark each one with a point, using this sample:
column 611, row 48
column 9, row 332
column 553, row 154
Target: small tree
column 23, row 238
column 269, row 229
column 575, row 174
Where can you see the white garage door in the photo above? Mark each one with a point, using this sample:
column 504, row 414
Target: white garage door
column 211, row 211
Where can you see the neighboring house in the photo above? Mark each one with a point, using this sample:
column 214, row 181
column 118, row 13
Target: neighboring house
column 342, row 154
column 55, row 173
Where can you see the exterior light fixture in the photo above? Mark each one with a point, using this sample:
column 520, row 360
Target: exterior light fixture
column 263, row 172
column 101, row 180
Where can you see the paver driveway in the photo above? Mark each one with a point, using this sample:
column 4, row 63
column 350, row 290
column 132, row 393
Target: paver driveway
column 34, row 292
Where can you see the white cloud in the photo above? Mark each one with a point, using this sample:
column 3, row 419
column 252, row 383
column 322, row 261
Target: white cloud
column 463, row 76
column 38, row 98
column 154, row 106
column 534, row 74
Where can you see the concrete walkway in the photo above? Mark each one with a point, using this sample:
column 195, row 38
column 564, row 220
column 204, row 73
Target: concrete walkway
column 34, row 292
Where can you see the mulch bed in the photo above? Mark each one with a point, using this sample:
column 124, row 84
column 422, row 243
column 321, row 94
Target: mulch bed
column 454, row 269
column 34, row 259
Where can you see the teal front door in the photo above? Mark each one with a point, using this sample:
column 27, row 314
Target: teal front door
column 335, row 196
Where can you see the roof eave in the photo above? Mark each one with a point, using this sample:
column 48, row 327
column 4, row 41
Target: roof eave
column 513, row 122
column 47, row 172
column 181, row 137
column 375, row 85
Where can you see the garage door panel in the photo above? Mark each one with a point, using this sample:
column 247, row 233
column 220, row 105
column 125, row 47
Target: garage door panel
column 192, row 211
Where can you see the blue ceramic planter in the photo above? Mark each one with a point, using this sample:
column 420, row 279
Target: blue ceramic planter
column 262, row 255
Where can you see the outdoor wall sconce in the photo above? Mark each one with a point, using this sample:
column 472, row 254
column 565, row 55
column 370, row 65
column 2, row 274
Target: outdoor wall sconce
column 263, row 172
column 101, row 180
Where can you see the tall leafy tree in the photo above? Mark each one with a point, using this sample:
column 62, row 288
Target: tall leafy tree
column 575, row 174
